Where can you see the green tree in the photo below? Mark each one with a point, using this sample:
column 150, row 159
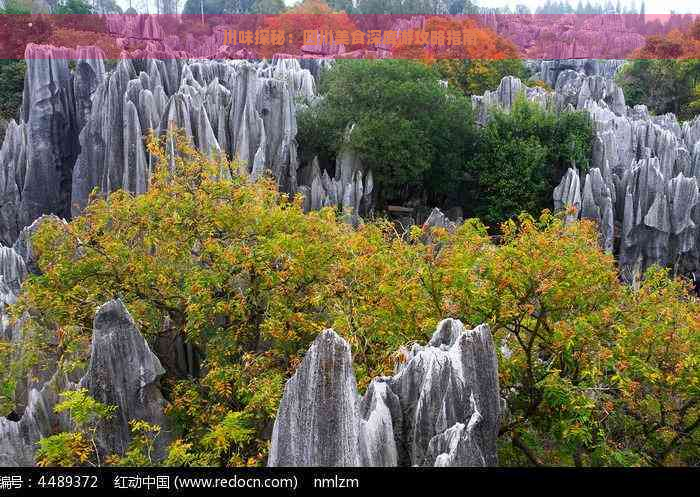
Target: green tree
column 73, row 7
column 476, row 76
column 77, row 447
column 244, row 275
column 16, row 7
column 410, row 130
column 208, row 7
column 11, row 87
column 267, row 7
column 663, row 85
column 665, row 73
column 594, row 372
column 521, row 156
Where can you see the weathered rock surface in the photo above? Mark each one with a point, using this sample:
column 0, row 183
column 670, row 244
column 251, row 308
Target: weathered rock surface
column 23, row 243
column 13, row 271
column 575, row 36
column 122, row 372
column 437, row 219
column 18, row 438
column 350, row 189
column 441, row 408
column 642, row 186
column 37, row 155
column 85, row 129
column 549, row 70
column 243, row 109
column 48, row 111
column 317, row 422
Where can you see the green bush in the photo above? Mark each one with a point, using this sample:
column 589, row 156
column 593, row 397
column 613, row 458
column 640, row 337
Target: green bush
column 475, row 76
column 521, row 156
column 11, row 88
column 73, row 7
column 663, row 85
column 408, row 128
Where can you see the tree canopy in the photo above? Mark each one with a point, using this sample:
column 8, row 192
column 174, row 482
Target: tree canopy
column 410, row 129
column 593, row 372
column 665, row 73
column 73, row 7
column 521, row 156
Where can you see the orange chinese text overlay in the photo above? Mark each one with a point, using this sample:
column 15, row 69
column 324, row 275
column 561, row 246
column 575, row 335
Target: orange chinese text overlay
column 268, row 37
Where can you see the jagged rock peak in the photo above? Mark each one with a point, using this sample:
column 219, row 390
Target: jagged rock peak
column 23, row 244
column 438, row 219
column 643, row 177
column 441, row 408
column 317, row 424
column 122, row 372
column 83, row 128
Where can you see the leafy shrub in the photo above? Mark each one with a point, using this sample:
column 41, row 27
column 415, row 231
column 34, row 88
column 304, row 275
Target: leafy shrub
column 521, row 156
column 73, row 7
column 409, row 129
column 594, row 372
column 75, row 448
column 11, row 87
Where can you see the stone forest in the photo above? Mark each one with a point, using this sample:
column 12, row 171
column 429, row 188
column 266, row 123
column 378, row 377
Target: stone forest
column 329, row 258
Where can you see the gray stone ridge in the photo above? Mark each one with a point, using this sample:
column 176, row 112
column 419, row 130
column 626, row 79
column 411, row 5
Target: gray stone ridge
column 440, row 408
column 83, row 128
column 642, row 184
column 123, row 372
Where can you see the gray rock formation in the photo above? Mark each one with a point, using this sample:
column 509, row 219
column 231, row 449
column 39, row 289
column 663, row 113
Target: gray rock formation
column 350, row 189
column 567, row 195
column 317, row 422
column 13, row 271
column 441, row 408
column 597, row 206
column 37, row 155
column 505, row 96
column 544, row 36
column 18, row 438
column 13, row 165
column 23, row 244
column 642, row 186
column 122, row 372
column 48, row 111
column 549, row 70
column 243, row 109
column 437, row 219
column 84, row 129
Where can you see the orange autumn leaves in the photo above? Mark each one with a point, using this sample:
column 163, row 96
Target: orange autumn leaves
column 308, row 15
column 477, row 42
column 678, row 44
column 472, row 40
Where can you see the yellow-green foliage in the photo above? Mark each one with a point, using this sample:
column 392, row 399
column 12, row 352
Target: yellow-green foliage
column 77, row 447
column 594, row 373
